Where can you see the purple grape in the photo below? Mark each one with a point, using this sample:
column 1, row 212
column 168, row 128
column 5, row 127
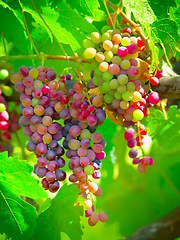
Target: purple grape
column 53, row 187
column 50, row 154
column 131, row 142
column 133, row 153
column 52, row 166
column 48, row 111
column 100, row 114
column 51, row 75
column 44, row 101
column 98, row 162
column 57, row 136
column 59, row 151
column 36, row 138
column 23, row 121
column 41, row 172
column 53, row 145
column 60, row 161
column 41, row 149
column 60, row 175
column 31, row 146
column 64, row 114
column 35, row 120
column 69, row 77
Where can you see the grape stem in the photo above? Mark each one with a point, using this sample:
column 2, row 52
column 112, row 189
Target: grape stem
column 131, row 23
column 54, row 38
column 139, row 135
column 46, row 56
column 21, row 145
column 29, row 33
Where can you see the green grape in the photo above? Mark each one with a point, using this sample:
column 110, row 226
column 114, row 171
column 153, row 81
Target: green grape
column 127, row 96
column 87, row 43
column 121, row 89
column 115, row 48
column 94, row 65
column 95, row 80
column 33, row 73
column 106, row 87
column 106, row 36
column 98, row 72
column 113, row 84
column 130, row 86
column 108, row 56
column 116, row 31
column 3, row 74
column 34, row 102
column 95, row 37
column 85, row 133
column 108, row 98
column 118, row 95
column 125, row 64
column 38, row 84
column 7, row 90
column 105, row 29
column 138, row 114
column 122, row 79
column 89, row 170
column 89, row 53
column 107, row 76
column 125, row 41
column 100, row 88
column 117, row 60
column 2, row 107
column 124, row 104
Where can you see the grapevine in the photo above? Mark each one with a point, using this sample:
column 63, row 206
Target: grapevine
column 97, row 68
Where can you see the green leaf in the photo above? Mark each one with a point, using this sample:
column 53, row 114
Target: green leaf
column 167, row 31
column 162, row 8
column 87, row 7
column 68, row 28
column 166, row 131
column 17, row 216
column 61, row 216
column 15, row 176
column 12, row 27
column 141, row 10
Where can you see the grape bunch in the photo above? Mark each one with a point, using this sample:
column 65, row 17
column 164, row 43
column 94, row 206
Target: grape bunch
column 84, row 145
column 44, row 101
column 122, row 84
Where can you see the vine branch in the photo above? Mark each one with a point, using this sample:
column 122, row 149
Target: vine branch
column 132, row 23
column 54, row 37
column 46, row 56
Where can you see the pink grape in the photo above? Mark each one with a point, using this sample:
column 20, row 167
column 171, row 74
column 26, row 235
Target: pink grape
column 41, row 148
column 114, row 69
column 154, row 98
column 130, row 132
column 131, row 142
column 122, row 51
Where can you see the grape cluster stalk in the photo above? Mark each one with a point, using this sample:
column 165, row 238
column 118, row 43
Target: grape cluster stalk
column 45, row 101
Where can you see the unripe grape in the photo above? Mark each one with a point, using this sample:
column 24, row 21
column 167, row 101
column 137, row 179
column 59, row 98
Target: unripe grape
column 89, row 53
column 95, row 37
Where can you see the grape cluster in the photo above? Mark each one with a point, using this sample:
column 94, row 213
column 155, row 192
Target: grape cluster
column 44, row 101
column 117, row 75
column 84, row 145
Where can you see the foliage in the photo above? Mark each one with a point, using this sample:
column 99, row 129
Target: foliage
column 130, row 199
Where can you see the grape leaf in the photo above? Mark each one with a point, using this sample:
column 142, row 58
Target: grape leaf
column 162, row 8
column 87, row 7
column 11, row 26
column 61, row 216
column 66, row 27
column 166, row 131
column 15, row 175
column 17, row 216
column 141, row 10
